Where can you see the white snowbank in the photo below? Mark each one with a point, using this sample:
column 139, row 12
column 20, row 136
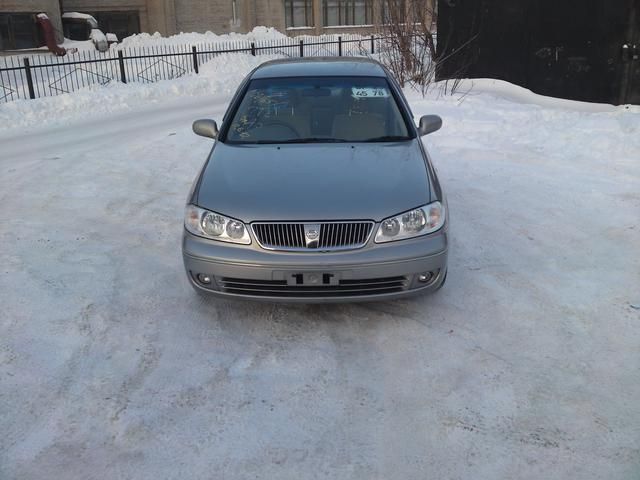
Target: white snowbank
column 78, row 44
column 258, row 34
column 560, row 128
column 146, row 40
column 219, row 76
column 515, row 93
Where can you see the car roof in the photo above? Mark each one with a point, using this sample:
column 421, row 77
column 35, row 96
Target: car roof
column 320, row 67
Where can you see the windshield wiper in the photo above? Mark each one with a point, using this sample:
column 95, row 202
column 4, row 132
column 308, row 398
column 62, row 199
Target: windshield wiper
column 293, row 140
column 387, row 138
column 313, row 140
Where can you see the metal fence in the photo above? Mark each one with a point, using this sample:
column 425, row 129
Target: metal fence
column 45, row 75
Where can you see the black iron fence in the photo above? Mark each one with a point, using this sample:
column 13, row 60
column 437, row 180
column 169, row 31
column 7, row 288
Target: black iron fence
column 35, row 76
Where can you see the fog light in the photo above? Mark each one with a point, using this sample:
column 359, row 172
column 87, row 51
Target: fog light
column 425, row 277
column 204, row 279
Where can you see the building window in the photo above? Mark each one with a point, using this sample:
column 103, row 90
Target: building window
column 298, row 13
column 75, row 29
column 121, row 22
column 18, row 30
column 347, row 12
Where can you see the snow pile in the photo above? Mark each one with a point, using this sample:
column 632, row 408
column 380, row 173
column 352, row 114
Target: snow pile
column 333, row 37
column 515, row 93
column 147, row 40
column 220, row 76
column 557, row 127
column 258, row 34
column 79, row 45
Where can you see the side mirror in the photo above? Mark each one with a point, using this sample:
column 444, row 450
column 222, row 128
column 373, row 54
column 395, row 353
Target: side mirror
column 205, row 128
column 429, row 124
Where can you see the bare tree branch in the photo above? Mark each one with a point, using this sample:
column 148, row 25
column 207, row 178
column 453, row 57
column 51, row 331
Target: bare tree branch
column 409, row 48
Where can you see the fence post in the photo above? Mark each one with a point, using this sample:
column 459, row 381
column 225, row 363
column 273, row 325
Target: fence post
column 253, row 49
column 195, row 59
column 27, row 71
column 123, row 73
column 339, row 46
column 373, row 45
column 301, row 48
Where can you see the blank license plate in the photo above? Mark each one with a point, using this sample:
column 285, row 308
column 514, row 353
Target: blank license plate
column 312, row 279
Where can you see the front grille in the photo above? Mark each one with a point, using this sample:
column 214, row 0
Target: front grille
column 331, row 235
column 280, row 288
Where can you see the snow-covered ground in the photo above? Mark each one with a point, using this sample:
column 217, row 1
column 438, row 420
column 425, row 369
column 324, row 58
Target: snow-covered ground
column 526, row 365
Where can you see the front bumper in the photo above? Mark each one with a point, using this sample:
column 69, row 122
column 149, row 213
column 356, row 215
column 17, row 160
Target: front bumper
column 374, row 272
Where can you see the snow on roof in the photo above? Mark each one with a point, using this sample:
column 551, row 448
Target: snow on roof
column 81, row 16
column 84, row 16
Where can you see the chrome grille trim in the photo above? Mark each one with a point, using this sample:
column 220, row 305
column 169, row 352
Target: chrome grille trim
column 333, row 236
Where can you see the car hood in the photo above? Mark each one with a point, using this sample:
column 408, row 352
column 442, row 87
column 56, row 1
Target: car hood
column 314, row 182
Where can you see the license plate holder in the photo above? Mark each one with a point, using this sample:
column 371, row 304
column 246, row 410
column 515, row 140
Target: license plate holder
column 312, row 279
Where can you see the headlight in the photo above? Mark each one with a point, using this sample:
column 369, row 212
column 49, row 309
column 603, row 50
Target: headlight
column 212, row 225
column 414, row 223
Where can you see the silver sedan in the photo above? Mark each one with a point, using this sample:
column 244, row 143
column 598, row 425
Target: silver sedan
column 318, row 188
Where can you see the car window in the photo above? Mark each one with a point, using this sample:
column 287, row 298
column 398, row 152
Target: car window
column 318, row 109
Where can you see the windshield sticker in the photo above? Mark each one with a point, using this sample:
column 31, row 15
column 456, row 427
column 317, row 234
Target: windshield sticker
column 369, row 92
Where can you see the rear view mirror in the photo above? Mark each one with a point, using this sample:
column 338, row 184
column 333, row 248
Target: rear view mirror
column 316, row 92
column 429, row 124
column 205, row 128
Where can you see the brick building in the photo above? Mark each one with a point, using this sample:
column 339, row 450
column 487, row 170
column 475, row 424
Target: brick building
column 126, row 17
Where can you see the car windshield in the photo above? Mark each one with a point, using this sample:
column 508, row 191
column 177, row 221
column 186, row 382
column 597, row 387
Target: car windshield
column 317, row 110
